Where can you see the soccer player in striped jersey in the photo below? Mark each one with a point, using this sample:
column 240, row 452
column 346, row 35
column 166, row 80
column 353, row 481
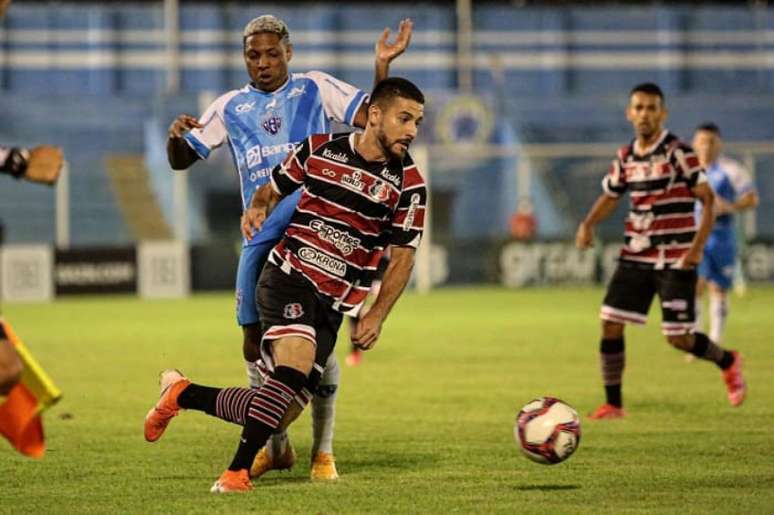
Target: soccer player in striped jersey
column 261, row 122
column 359, row 195
column 734, row 192
column 663, row 246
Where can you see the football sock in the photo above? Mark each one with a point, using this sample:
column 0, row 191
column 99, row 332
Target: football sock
column 200, row 398
column 265, row 411
column 253, row 375
column 612, row 362
column 324, row 408
column 703, row 348
column 718, row 312
column 698, row 325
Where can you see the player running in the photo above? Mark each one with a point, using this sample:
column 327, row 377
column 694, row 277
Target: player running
column 262, row 122
column 734, row 192
column 359, row 194
column 663, row 246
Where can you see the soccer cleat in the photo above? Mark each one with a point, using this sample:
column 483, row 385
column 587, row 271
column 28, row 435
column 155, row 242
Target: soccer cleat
column 354, row 358
column 156, row 421
column 232, row 481
column 264, row 462
column 737, row 388
column 607, row 411
column 324, row 467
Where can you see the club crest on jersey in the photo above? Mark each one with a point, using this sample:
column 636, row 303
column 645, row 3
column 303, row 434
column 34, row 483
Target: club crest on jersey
column 293, row 310
column 379, row 191
column 272, row 124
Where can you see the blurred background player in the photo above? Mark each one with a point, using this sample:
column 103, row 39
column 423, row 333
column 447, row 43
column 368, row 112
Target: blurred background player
column 663, row 246
column 360, row 193
column 262, row 121
column 355, row 355
column 734, row 192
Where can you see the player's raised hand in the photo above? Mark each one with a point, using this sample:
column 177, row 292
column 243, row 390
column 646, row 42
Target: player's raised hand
column 183, row 124
column 252, row 221
column 386, row 51
column 584, row 237
column 45, row 164
column 367, row 330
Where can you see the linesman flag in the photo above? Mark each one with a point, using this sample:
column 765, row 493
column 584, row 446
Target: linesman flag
column 20, row 411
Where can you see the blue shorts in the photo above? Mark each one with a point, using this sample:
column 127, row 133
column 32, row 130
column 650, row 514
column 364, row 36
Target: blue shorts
column 717, row 265
column 254, row 255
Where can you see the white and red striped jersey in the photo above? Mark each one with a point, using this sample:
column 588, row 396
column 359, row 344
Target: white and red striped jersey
column 661, row 224
column 350, row 210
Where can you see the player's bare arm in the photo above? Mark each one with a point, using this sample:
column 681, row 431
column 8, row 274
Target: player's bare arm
column 44, row 165
column 602, row 208
column 386, row 52
column 179, row 154
column 746, row 201
column 395, row 279
column 703, row 193
column 263, row 201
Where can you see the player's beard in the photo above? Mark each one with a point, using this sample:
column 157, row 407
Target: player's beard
column 388, row 146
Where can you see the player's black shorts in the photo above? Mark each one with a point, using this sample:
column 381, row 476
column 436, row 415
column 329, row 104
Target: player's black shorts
column 290, row 306
column 631, row 291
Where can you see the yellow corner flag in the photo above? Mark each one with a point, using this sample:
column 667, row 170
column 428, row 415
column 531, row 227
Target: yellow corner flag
column 20, row 412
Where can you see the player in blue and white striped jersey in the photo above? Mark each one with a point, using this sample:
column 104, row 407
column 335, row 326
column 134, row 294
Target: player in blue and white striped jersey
column 734, row 192
column 261, row 122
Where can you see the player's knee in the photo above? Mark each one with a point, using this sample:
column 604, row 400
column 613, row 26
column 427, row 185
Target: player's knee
column 294, row 352
column 680, row 341
column 251, row 342
column 612, row 330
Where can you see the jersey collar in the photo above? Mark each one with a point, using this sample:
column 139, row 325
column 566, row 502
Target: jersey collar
column 647, row 151
column 270, row 93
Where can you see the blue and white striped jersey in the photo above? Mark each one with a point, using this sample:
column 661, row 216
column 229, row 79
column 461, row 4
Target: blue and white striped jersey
column 261, row 128
column 729, row 180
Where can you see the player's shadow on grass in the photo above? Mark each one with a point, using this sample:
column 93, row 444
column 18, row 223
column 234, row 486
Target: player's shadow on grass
column 546, row 488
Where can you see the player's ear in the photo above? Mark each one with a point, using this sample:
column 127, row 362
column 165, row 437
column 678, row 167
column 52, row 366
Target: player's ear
column 374, row 114
column 289, row 51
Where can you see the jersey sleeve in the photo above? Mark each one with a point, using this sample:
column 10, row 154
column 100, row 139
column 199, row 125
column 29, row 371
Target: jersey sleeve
column 688, row 165
column 340, row 100
column 740, row 178
column 614, row 183
column 408, row 223
column 213, row 133
column 289, row 175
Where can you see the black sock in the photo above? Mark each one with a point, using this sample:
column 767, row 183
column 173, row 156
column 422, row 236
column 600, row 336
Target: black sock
column 612, row 359
column 266, row 410
column 705, row 349
column 201, row 398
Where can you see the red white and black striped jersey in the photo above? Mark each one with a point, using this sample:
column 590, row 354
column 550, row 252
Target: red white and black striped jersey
column 661, row 224
column 350, row 210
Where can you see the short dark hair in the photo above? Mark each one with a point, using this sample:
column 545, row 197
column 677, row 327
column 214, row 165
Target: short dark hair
column 388, row 89
column 709, row 127
column 648, row 88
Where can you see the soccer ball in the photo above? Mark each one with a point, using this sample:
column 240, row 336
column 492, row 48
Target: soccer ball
column 547, row 430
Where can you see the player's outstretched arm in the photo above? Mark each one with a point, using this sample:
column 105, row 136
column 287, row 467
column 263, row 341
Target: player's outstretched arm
column 263, row 201
column 395, row 279
column 44, row 165
column 601, row 209
column 703, row 193
column 179, row 154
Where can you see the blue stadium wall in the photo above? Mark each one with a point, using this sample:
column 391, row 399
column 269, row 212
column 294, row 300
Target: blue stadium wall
column 92, row 78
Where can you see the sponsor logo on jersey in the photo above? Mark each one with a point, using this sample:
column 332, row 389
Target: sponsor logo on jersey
column 327, row 263
column 392, row 177
column 296, row 92
column 272, row 124
column 272, row 104
column 282, row 148
column 412, row 212
column 259, row 174
column 379, row 191
column 245, row 107
column 342, row 240
column 293, row 310
column 253, row 156
column 341, row 157
column 328, row 172
column 353, row 181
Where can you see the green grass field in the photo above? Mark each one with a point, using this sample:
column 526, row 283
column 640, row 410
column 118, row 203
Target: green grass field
column 424, row 425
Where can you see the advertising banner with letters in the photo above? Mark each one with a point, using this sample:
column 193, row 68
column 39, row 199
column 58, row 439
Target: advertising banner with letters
column 95, row 270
